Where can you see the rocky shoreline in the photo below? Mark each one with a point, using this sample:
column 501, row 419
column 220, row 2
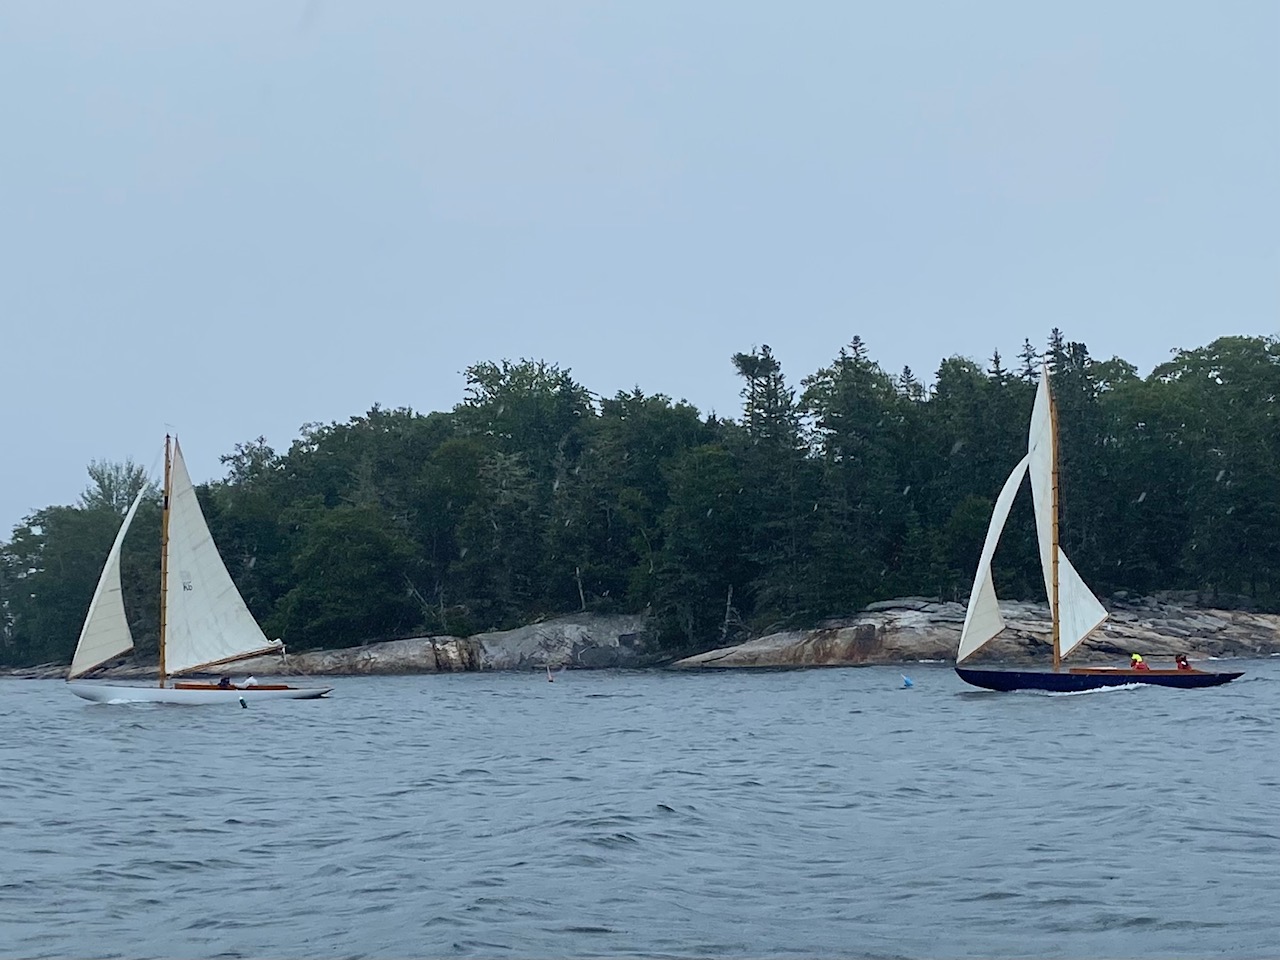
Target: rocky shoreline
column 915, row 629
column 906, row 630
column 584, row 641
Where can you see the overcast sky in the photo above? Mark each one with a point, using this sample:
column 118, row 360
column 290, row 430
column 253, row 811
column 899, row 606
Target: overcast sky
column 233, row 218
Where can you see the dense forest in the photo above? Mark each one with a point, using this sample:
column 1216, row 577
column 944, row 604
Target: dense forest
column 534, row 497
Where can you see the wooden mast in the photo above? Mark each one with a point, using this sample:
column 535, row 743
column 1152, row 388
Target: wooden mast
column 1053, row 557
column 164, row 552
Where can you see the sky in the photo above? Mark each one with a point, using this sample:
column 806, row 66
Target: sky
column 229, row 220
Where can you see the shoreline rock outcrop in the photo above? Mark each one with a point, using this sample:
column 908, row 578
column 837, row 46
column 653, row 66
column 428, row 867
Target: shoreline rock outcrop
column 917, row 628
column 906, row 630
column 578, row 641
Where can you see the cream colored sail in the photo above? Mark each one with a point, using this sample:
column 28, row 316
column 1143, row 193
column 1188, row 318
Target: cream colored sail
column 105, row 633
column 1040, row 442
column 982, row 621
column 207, row 621
column 1079, row 611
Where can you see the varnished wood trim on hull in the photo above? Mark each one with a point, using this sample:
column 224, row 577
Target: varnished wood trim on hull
column 197, row 685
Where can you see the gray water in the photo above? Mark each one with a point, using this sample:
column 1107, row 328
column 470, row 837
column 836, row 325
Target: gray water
column 806, row 814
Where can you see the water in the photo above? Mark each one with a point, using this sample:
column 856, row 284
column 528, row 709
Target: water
column 807, row 814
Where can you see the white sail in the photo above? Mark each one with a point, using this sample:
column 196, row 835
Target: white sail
column 982, row 621
column 206, row 620
column 105, row 633
column 1040, row 441
column 1079, row 611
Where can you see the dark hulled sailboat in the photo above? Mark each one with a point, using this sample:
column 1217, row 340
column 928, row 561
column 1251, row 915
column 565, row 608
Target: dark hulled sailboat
column 1074, row 610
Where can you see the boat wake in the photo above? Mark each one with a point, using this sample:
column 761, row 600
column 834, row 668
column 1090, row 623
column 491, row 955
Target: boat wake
column 1083, row 693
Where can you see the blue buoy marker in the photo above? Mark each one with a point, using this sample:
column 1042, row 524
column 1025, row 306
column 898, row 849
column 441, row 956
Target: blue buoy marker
column 243, row 705
column 907, row 682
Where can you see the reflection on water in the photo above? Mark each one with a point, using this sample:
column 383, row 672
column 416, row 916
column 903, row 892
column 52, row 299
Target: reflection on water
column 806, row 813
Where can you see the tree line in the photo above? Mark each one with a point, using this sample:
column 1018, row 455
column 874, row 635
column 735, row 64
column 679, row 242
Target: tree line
column 534, row 497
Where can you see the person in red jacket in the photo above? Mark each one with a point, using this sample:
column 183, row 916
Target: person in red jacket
column 1181, row 661
column 1137, row 663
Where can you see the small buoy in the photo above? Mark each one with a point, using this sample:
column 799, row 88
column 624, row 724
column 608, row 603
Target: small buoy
column 243, row 705
column 907, row 682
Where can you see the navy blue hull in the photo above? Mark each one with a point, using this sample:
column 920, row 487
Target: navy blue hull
column 1077, row 682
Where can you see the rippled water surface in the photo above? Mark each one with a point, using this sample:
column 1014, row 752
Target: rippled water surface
column 814, row 813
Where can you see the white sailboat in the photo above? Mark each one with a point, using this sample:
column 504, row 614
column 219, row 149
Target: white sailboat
column 1074, row 611
column 204, row 623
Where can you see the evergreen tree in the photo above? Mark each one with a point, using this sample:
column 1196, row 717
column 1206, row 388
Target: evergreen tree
column 704, row 561
column 778, row 489
column 532, row 498
column 909, row 387
column 998, row 374
column 1029, row 372
column 860, row 511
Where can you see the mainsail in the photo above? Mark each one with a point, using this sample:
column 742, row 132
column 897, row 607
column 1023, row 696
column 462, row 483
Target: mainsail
column 106, row 633
column 207, row 622
column 1079, row 611
column 982, row 621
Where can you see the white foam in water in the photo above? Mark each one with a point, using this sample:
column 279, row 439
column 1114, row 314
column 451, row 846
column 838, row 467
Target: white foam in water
column 1078, row 693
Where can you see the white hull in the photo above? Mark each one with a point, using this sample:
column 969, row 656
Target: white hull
column 122, row 693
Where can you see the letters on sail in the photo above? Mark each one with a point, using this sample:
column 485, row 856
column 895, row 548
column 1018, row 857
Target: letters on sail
column 207, row 622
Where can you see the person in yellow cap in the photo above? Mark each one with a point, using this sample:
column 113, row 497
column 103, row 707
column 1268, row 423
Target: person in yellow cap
column 1137, row 663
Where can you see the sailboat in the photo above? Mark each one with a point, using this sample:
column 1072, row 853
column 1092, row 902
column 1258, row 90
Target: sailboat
column 204, row 623
column 1074, row 610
